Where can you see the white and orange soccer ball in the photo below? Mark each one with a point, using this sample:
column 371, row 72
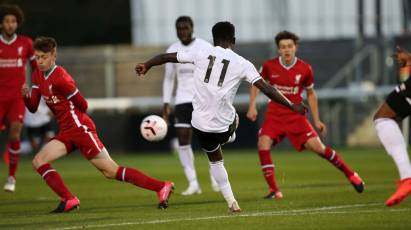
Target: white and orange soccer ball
column 153, row 128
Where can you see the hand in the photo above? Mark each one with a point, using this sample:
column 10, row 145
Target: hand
column 299, row 108
column 166, row 113
column 321, row 127
column 141, row 69
column 252, row 114
column 403, row 56
column 25, row 90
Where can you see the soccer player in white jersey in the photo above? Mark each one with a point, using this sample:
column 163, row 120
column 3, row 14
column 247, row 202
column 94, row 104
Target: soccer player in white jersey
column 183, row 73
column 217, row 75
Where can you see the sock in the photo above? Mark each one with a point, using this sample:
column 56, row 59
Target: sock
column 54, row 181
column 213, row 182
column 220, row 175
column 391, row 137
column 138, row 178
column 267, row 167
column 14, row 154
column 185, row 153
column 334, row 158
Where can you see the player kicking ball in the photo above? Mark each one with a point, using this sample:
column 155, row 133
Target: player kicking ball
column 218, row 73
column 76, row 130
column 396, row 107
column 291, row 76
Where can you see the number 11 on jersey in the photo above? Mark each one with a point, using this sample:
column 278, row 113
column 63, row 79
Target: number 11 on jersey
column 210, row 68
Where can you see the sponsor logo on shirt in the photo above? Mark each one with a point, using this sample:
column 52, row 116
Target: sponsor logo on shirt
column 287, row 89
column 274, row 76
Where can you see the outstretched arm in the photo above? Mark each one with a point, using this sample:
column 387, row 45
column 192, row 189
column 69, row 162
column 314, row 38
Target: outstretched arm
column 160, row 59
column 277, row 96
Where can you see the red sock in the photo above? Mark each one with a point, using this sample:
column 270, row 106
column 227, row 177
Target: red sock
column 334, row 158
column 14, row 156
column 54, row 181
column 138, row 178
column 268, row 169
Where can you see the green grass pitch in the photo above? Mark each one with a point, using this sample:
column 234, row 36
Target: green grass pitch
column 316, row 195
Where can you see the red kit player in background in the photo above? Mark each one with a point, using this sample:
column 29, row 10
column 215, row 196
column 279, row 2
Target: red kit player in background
column 76, row 130
column 291, row 75
column 15, row 51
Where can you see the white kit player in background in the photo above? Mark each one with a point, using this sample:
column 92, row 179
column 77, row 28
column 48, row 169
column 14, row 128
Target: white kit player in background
column 38, row 125
column 217, row 75
column 183, row 74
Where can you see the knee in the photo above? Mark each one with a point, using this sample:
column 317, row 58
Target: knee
column 38, row 161
column 109, row 173
column 263, row 144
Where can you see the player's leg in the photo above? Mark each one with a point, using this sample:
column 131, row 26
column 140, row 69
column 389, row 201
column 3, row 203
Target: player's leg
column 267, row 167
column 393, row 141
column 15, row 117
column 185, row 153
column 52, row 151
column 269, row 133
column 92, row 148
column 314, row 144
column 211, row 144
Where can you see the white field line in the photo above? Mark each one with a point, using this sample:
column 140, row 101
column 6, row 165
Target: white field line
column 308, row 211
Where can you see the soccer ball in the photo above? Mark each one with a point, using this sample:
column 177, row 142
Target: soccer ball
column 153, row 128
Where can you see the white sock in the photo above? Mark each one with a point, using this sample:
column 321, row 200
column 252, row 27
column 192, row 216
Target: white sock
column 185, row 153
column 391, row 137
column 213, row 182
column 220, row 175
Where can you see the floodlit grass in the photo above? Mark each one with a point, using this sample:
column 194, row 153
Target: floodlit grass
column 316, row 195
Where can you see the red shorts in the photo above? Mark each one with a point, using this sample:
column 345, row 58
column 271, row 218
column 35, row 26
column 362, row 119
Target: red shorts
column 295, row 126
column 83, row 138
column 11, row 111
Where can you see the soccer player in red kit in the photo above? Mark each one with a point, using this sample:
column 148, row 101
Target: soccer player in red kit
column 15, row 51
column 291, row 75
column 76, row 130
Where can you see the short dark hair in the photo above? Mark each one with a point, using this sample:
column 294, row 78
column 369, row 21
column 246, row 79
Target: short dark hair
column 286, row 35
column 186, row 19
column 6, row 9
column 223, row 31
column 45, row 44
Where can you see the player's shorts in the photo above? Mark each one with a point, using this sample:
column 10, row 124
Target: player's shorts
column 296, row 127
column 399, row 102
column 11, row 111
column 210, row 142
column 39, row 132
column 182, row 115
column 84, row 139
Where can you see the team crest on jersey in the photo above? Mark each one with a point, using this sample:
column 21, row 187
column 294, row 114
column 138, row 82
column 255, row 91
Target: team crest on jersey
column 297, row 78
column 51, row 89
column 19, row 50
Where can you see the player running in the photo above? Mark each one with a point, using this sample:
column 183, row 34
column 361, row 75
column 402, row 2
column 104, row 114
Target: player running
column 290, row 75
column 76, row 130
column 183, row 72
column 217, row 75
column 396, row 107
column 15, row 51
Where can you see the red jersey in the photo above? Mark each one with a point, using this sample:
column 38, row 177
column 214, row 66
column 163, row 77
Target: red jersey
column 57, row 87
column 13, row 58
column 289, row 80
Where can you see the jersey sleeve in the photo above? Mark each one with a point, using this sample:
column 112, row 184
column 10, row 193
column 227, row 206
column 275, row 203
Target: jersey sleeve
column 186, row 56
column 309, row 81
column 250, row 73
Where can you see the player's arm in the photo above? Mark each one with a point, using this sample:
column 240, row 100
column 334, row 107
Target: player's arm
column 252, row 108
column 160, row 59
column 278, row 97
column 168, row 86
column 78, row 101
column 313, row 104
column 31, row 99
